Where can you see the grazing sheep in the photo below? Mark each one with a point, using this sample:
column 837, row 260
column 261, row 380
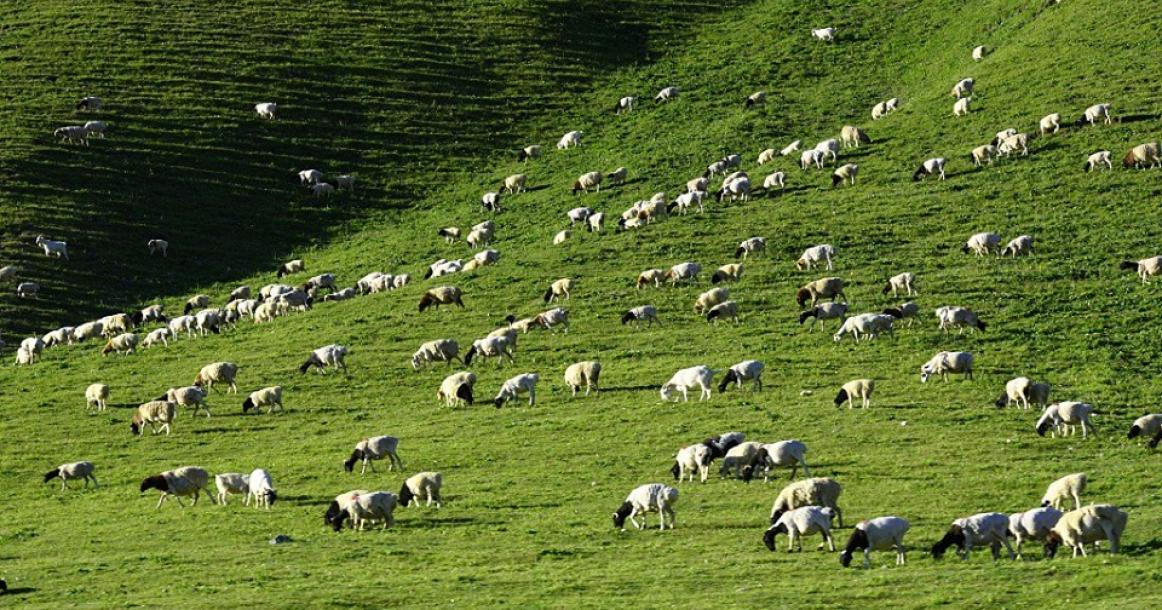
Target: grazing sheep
column 72, row 472
column 879, row 534
column 97, row 396
column 810, row 157
column 982, row 244
column 683, row 272
column 529, row 152
column 295, row 266
column 1064, row 417
column 450, row 234
column 218, row 372
column 27, row 290
column 757, row 98
column 814, row 255
column 266, row 397
column 909, row 311
column 562, row 237
column 59, row 336
column 578, row 215
column 624, row 104
column 944, row 363
column 799, row 523
column 828, row 287
column 207, row 321
column 858, row 388
column 1089, row 524
column 332, row 355
column 559, row 289
column 884, row 107
column 1051, row 122
column 1022, row 391
column 1062, row 490
column 159, row 414
column 196, row 302
column 791, row 148
column 1146, row 267
column 739, row 457
column 1095, row 112
column 709, row 299
column 514, row 183
column 690, row 459
column 589, row 180
column 1014, row 142
column 1097, row 159
column 963, row 88
column 766, row 156
column 53, row 247
column 1002, row 135
column 934, row 166
column 853, row 136
column 685, row 201
column 524, row 383
column 666, row 95
column 123, row 343
column 231, row 483
column 442, row 295
column 903, row 282
column 751, row 370
column 322, row 189
column 1033, row 525
column 645, row 312
column 791, row 453
column 731, row 272
column 750, row 246
column 685, row 379
column 982, row 528
column 73, row 134
column 346, row 182
column 440, row 350
column 310, row 176
column 584, row 374
column 617, row 176
column 650, row 276
column 983, row 154
column 422, row 484
column 825, row 311
column 737, row 189
column 865, row 326
column 844, row 172
column 824, row 34
column 484, row 258
column 650, row 498
column 266, row 110
column 823, row 491
column 189, row 396
column 456, row 388
column 723, row 311
column 23, row 356
column 1147, row 425
column 958, row 317
column 89, row 103
column 9, row 272
column 88, row 330
column 778, row 179
column 184, row 481
column 158, row 245
column 573, row 138
column 1021, row 245
column 491, row 347
column 1140, row 156
column 978, row 53
column 829, row 148
column 261, row 489
column 342, row 295
column 375, row 448
column 596, row 222
column 961, row 106
column 364, row 507
column 550, row 319
column 318, row 282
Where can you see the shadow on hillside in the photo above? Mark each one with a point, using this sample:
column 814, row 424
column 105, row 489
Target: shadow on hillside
column 19, row 591
column 1134, row 550
column 1135, row 118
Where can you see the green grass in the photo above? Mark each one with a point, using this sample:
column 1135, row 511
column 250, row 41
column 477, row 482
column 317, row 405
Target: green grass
column 427, row 104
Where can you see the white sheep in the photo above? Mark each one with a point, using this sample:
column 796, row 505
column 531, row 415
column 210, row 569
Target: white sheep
column 766, row 156
column 791, row 148
column 983, row 154
column 799, row 523
column 982, row 528
column 562, row 237
column 903, row 282
column 189, row 396
column 53, row 247
column 184, row 481
column 791, row 453
column 422, row 484
column 729, row 272
column 529, row 152
column 683, row 272
column 450, row 234
column 440, row 350
column 723, row 311
column 1098, row 159
column 218, row 372
column 982, row 244
column 810, row 157
column 958, row 317
column 978, row 53
column 747, row 370
column 884, row 107
column 931, row 167
column 857, row 388
column 585, row 374
column 624, row 104
column 846, row 172
column 24, row 356
column 368, row 507
column 596, row 222
column 266, row 397
column 89, row 103
column 822, row 288
column 709, row 299
column 1020, row 245
column 1064, row 489
column 819, row 491
column 1089, row 524
column 963, row 88
column 97, row 396
column 829, row 148
column 333, row 355
column 1095, row 112
column 617, row 176
column 1050, row 122
column 1143, row 156
column 879, row 534
column 944, row 363
column 691, row 459
column 1033, row 525
column 124, row 343
column 441, row 295
column 59, row 336
column 72, row 472
column 375, row 448
column 824, row 34
column 159, row 414
column 650, row 498
column 310, row 176
column 1147, row 425
column 73, row 134
column 737, row 189
column 778, row 179
column 573, row 138
column 1013, row 143
column 490, row 347
column 814, row 255
column 685, row 379
column 1146, row 268
column 521, row 384
column 456, row 388
column 266, row 110
column 1021, row 391
column 685, row 201
column 588, row 180
column 961, row 106
column 853, row 136
column 649, row 313
column 825, row 311
column 88, row 330
column 1064, row 417
column 27, row 290
column 750, row 246
column 666, row 95
column 261, row 489
column 865, row 326
column 515, row 183
column 757, row 98
column 231, row 483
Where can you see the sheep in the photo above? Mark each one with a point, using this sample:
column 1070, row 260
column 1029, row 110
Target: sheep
column 1097, row 159
column 790, row 453
column 824, row 311
column 115, row 324
column 578, row 215
column 342, row 295
column 944, row 363
column 345, row 182
column 683, row 272
column 1064, row 417
column 126, row 343
column 829, row 148
column 196, row 302
column 318, row 282
column 368, row 450
column 266, row 397
column 778, row 179
column 89, row 103
column 963, row 88
column 822, row 288
column 231, row 483
column 159, row 414
column 1002, row 135
column 573, row 138
column 844, row 172
column 524, row 383
column 514, row 183
column 264, row 312
column 983, row 154
column 363, row 507
column 562, row 237
column 696, row 184
column 441, row 295
column 1051, row 121
column 550, row 319
column 718, row 167
column 440, row 350
column 295, row 266
column 596, row 222
column 1033, row 525
column 793, row 147
column 934, row 166
column 1146, row 267
column 820, row 491
column 478, row 238
column 884, row 107
column 88, row 330
column 266, row 110
column 490, row 347
column 766, row 156
column 978, row 53
column 337, row 509
column 426, row 484
column 310, row 176
column 27, row 290
column 589, row 180
column 879, row 534
column 456, row 388
column 650, row 498
column 690, row 459
column 1022, row 391
column 484, row 258
column 1014, row 142
column 867, row 325
column 750, row 246
column 666, row 95
column 743, row 371
column 585, row 374
column 709, row 299
column 271, row 291
column 529, row 152
column 97, row 396
column 617, row 176
column 184, row 481
column 958, row 317
column 815, row 255
column 738, row 189
column 322, row 189
column 824, row 34
column 73, row 134
column 96, row 128
column 645, row 312
column 559, row 289
column 400, row 281
column 1062, row 490
column 1140, row 156
column 853, row 136
column 903, row 282
column 53, row 247
column 1095, row 112
column 450, row 234
column 23, row 356
column 758, row 98
column 698, row 376
column 858, row 388
column 982, row 244
column 332, row 355
column 1018, row 246
column 189, row 396
column 799, row 523
column 59, row 336
column 218, row 372
column 9, row 272
column 961, row 106
column 71, row 472
column 982, row 528
column 1147, row 425
column 1089, row 524
column 650, row 276
column 722, row 311
column 261, row 489
column 685, row 201
column 208, row 320
column 731, row 272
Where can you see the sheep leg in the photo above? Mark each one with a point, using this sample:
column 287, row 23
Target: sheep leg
column 900, row 560
column 830, row 541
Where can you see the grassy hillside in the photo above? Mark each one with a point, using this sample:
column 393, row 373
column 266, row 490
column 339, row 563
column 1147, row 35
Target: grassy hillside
column 529, row 490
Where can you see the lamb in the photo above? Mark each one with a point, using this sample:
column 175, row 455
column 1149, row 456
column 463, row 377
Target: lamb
column 822, row 288
column 799, row 523
column 982, row 244
column 750, row 246
column 97, row 396
column 825, row 311
column 884, row 107
column 858, row 388
column 562, row 237
column 778, row 179
column 266, row 397
column 645, row 312
column 1097, row 159
column 514, row 183
column 683, row 272
column 89, row 103
column 333, row 355
column 1147, row 425
column 53, row 247
column 934, row 166
column 961, row 106
column 1064, row 417
column 73, row 134
column 72, row 472
column 440, row 350
column 596, row 222
column 27, row 290
column 903, row 282
column 425, row 484
column 722, row 311
column 731, row 272
column 1140, row 156
column 231, row 483
column 1095, row 112
column 790, row 453
column 585, row 374
column 490, row 347
column 690, row 459
column 524, row 383
column 867, row 325
column 685, row 379
column 982, row 528
column 751, row 370
column 88, row 330
column 126, row 342
column 853, row 136
column 218, row 372
column 374, row 448
column 1033, row 525
column 824, row 34
column 846, row 172
column 184, row 481
column 958, row 317
column 821, row 491
column 944, row 363
column 791, row 148
column 666, row 95
column 1146, row 267
column 441, row 295
column 814, row 255
column 983, row 154
column 649, row 498
column 456, row 388
column 266, row 110
column 757, row 98
column 529, row 152
column 158, row 245
column 1014, row 142
column 1051, row 121
column 589, row 180
column 879, row 534
column 1089, row 524
column 978, row 53
column 159, row 414
column 189, row 396
column 310, row 176
column 573, row 138
column 1062, row 490
column 261, row 489
column 295, row 266
column 963, row 88
column 1022, row 391
column 709, row 299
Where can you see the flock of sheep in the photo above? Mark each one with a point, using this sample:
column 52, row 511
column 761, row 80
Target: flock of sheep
column 805, row 507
